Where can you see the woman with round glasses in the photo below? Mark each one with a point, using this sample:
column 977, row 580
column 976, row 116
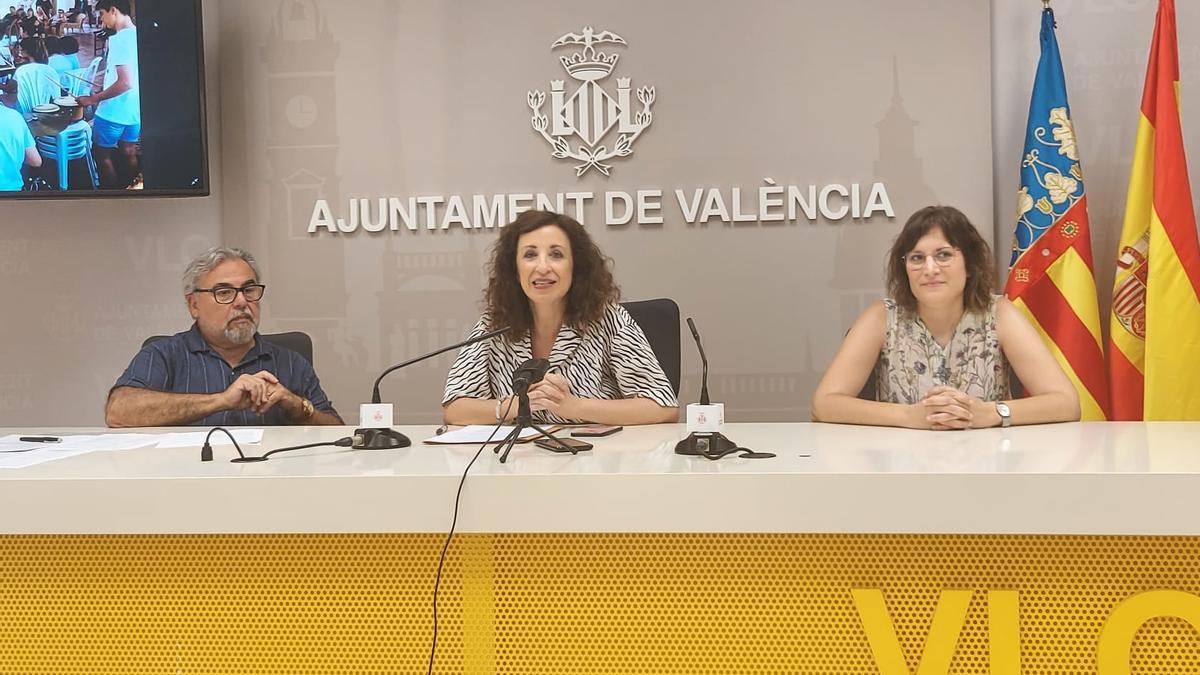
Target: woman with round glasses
column 941, row 345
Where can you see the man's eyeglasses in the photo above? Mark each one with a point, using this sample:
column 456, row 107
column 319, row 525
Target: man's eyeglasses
column 224, row 295
column 916, row 260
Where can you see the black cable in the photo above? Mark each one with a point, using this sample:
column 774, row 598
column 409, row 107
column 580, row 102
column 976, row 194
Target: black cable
column 341, row 443
column 206, row 452
column 747, row 453
column 437, row 584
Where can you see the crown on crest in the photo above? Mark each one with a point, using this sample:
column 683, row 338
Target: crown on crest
column 589, row 64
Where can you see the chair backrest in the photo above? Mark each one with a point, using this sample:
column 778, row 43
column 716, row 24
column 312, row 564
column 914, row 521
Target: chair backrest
column 296, row 341
column 659, row 320
column 36, row 84
column 73, row 81
column 77, row 139
column 90, row 73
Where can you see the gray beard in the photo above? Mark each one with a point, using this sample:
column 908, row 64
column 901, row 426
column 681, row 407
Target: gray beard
column 241, row 334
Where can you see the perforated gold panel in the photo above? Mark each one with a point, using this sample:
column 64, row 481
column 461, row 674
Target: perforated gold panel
column 558, row 604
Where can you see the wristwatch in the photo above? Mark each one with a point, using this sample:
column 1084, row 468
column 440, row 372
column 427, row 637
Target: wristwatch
column 1005, row 414
column 306, row 409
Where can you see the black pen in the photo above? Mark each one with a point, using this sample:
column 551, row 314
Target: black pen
column 40, row 439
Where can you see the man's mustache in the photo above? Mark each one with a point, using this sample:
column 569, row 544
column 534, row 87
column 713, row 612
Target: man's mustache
column 240, row 315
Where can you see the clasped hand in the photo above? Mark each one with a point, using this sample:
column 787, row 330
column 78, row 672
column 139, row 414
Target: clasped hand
column 552, row 394
column 259, row 392
column 945, row 408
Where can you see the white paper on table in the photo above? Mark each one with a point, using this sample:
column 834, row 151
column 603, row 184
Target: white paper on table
column 108, row 441
column 47, row 453
column 194, row 439
column 15, row 453
column 478, row 433
column 15, row 444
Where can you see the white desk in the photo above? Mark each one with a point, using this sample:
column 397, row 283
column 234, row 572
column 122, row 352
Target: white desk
column 1033, row 546
column 1088, row 478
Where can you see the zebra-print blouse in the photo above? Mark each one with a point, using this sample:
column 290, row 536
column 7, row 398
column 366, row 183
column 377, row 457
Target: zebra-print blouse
column 610, row 360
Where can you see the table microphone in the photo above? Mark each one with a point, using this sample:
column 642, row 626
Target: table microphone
column 529, row 373
column 704, row 419
column 383, row 436
column 703, row 362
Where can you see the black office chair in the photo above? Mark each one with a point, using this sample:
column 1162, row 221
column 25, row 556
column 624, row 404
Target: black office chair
column 295, row 340
column 659, row 320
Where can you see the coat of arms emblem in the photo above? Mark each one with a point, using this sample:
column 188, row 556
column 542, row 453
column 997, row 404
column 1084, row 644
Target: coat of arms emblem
column 590, row 113
column 1129, row 297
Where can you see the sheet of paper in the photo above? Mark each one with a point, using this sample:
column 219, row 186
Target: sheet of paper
column 189, row 439
column 18, row 460
column 109, row 441
column 478, row 433
column 16, row 454
column 81, row 442
column 15, row 444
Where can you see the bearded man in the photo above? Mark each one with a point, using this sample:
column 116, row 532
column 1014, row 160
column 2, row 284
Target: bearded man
column 220, row 372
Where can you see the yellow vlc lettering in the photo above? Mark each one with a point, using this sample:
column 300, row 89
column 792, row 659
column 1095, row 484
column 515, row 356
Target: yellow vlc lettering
column 948, row 619
column 1116, row 638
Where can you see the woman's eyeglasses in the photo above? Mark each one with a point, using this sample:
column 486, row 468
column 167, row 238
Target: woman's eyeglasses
column 916, row 260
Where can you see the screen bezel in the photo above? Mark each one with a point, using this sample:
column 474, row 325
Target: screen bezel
column 148, row 193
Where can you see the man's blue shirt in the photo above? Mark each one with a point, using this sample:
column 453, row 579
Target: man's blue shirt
column 185, row 364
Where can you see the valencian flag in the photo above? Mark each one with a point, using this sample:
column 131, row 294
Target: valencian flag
column 1154, row 355
column 1050, row 275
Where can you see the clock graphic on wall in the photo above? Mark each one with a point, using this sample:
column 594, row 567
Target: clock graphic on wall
column 301, row 111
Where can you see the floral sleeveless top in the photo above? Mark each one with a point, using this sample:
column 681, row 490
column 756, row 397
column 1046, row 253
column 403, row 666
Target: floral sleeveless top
column 912, row 362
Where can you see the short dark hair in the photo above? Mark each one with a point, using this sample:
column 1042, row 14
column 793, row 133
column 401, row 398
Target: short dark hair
column 592, row 284
column 52, row 45
column 68, row 45
column 977, row 256
column 34, row 48
column 121, row 6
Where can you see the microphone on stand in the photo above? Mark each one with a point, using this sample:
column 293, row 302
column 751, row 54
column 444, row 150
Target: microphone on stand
column 528, row 374
column 703, row 362
column 704, row 419
column 383, row 436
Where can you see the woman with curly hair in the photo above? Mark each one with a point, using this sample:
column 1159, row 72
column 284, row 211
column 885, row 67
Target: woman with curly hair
column 552, row 287
column 941, row 345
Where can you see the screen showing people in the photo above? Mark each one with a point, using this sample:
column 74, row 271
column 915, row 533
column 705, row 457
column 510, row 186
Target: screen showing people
column 71, row 98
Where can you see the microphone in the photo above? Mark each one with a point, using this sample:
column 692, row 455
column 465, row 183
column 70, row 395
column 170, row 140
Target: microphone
column 375, row 398
column 382, row 435
column 530, row 372
column 704, row 419
column 703, row 361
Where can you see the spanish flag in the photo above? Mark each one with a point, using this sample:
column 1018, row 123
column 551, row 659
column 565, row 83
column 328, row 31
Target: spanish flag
column 1051, row 277
column 1154, row 351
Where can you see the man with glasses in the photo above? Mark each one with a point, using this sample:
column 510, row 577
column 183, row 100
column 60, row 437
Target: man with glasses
column 219, row 372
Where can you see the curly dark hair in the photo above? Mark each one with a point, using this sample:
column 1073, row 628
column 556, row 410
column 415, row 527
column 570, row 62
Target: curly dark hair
column 977, row 256
column 592, row 285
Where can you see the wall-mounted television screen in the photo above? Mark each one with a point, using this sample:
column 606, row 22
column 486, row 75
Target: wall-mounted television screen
column 102, row 98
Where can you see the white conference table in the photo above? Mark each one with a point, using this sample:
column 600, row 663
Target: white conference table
column 1061, row 548
column 1083, row 478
